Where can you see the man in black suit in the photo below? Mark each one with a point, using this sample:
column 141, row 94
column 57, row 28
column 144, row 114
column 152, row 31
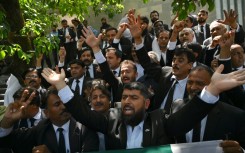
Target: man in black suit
column 92, row 70
column 45, row 135
column 223, row 122
column 78, row 78
column 67, row 38
column 137, row 128
column 202, row 29
column 122, row 44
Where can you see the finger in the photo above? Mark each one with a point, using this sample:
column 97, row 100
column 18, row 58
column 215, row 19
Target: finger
column 220, row 68
column 232, row 150
column 226, row 14
column 24, row 95
column 100, row 37
column 62, row 71
column 33, row 94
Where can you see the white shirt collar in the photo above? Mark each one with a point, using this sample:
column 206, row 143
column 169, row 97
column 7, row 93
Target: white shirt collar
column 64, row 126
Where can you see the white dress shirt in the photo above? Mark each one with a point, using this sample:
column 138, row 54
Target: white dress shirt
column 179, row 91
column 135, row 136
column 74, row 83
column 65, row 133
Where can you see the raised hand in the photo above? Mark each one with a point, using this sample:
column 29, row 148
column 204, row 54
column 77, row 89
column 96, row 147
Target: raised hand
column 16, row 110
column 230, row 19
column 56, row 79
column 91, row 39
column 135, row 28
column 222, row 82
column 230, row 146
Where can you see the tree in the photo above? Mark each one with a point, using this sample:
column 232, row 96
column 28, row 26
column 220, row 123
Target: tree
column 24, row 23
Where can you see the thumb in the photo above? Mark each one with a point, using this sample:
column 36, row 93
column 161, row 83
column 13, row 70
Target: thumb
column 62, row 71
column 100, row 36
column 220, row 69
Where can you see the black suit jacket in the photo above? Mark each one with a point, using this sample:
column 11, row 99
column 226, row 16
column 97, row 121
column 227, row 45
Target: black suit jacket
column 224, row 121
column 23, row 140
column 114, row 82
column 61, row 35
column 158, row 130
column 161, row 75
column 86, row 79
column 200, row 35
column 126, row 46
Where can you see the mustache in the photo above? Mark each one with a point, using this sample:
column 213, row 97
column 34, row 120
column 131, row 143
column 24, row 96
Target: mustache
column 129, row 106
column 64, row 111
column 99, row 104
column 86, row 60
column 175, row 67
column 32, row 81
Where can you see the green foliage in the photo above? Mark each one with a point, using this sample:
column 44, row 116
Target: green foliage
column 184, row 7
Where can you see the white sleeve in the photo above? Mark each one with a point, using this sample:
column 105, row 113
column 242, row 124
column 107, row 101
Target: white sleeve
column 5, row 132
column 172, row 45
column 208, row 97
column 100, row 58
column 65, row 94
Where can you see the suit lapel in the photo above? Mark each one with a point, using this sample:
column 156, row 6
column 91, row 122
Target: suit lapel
column 51, row 139
column 147, row 132
column 74, row 136
column 212, row 122
column 123, row 135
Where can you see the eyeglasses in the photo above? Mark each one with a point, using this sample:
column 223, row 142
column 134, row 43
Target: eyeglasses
column 32, row 76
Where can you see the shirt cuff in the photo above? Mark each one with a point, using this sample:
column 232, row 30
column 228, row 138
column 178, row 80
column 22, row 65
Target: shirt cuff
column 38, row 67
column 5, row 132
column 65, row 94
column 100, row 58
column 208, row 97
column 116, row 41
column 224, row 59
column 138, row 47
column 172, row 45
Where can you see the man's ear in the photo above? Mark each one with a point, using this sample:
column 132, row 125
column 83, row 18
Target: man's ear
column 46, row 113
column 147, row 103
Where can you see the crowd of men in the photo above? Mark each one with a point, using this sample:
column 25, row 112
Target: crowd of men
column 137, row 85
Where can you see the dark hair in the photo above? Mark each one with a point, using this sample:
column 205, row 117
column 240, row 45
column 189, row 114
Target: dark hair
column 191, row 18
column 64, row 20
column 87, row 49
column 185, row 51
column 131, row 63
column 102, row 88
column 111, row 28
column 103, row 18
column 35, row 101
column 203, row 67
column 118, row 53
column 46, row 96
column 76, row 20
column 160, row 31
column 154, row 11
column 31, row 69
column 195, row 47
column 144, row 19
column 203, row 11
column 138, row 86
column 78, row 62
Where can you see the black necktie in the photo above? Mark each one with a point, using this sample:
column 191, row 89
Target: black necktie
column 202, row 30
column 62, row 147
column 115, row 73
column 77, row 89
column 87, row 72
column 169, row 100
column 23, row 123
column 162, row 63
column 196, row 133
column 32, row 120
